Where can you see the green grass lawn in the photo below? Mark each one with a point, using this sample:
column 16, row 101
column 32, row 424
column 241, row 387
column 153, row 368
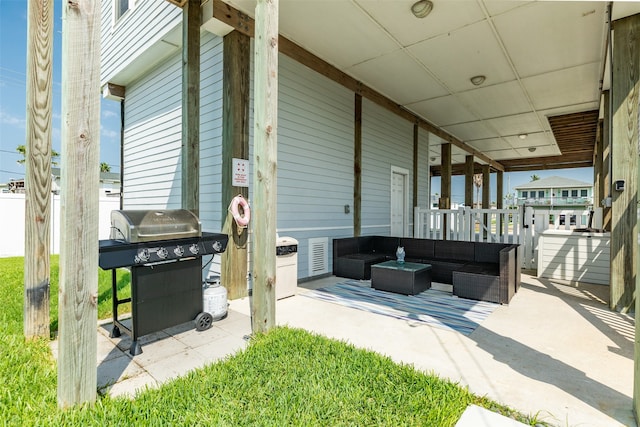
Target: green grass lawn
column 285, row 377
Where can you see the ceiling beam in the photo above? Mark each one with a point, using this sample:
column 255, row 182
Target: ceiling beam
column 245, row 24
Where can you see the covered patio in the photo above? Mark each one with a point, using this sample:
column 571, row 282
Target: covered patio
column 555, row 351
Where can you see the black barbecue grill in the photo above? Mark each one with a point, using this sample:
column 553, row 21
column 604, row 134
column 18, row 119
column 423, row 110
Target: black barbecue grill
column 163, row 249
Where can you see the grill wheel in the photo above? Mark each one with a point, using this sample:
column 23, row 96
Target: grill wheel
column 203, row 321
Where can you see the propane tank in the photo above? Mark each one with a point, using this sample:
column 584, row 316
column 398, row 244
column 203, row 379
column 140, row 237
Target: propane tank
column 214, row 298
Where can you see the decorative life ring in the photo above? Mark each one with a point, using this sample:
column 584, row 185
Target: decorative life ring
column 242, row 220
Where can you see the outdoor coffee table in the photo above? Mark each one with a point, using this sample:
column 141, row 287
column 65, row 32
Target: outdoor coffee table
column 409, row 278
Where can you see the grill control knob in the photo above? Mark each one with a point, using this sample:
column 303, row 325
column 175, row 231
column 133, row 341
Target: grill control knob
column 143, row 256
column 194, row 249
column 179, row 251
column 217, row 246
column 162, row 253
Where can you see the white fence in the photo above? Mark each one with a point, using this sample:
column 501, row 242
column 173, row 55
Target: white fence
column 12, row 216
column 522, row 226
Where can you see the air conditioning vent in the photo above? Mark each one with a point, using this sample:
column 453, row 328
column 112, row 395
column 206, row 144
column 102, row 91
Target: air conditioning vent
column 318, row 256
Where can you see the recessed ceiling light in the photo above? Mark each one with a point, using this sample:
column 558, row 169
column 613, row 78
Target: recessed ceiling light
column 532, row 149
column 433, row 159
column 421, row 8
column 478, row 80
column 523, row 136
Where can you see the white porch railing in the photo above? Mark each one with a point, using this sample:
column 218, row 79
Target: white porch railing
column 474, row 225
column 522, row 226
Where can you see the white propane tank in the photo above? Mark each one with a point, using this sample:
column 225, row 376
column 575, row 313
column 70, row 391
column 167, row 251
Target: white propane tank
column 215, row 299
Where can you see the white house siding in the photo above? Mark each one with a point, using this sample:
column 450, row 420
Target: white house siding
column 211, row 68
column 134, row 33
column 315, row 159
column 153, row 136
column 387, row 140
column 153, row 139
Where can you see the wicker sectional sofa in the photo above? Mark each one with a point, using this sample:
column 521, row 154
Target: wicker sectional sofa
column 477, row 270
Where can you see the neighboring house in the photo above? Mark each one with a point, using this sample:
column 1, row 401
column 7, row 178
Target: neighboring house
column 315, row 182
column 555, row 193
column 109, row 183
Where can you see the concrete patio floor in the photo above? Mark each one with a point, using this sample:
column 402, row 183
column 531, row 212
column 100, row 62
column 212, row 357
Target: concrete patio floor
column 556, row 350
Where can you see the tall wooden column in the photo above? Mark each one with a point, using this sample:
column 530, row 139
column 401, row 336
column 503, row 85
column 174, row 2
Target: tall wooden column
column 357, row 166
column 38, row 163
column 415, row 166
column 625, row 90
column 500, row 200
column 486, row 186
column 235, row 144
column 598, row 181
column 191, row 17
column 445, row 177
column 468, row 181
column 265, row 162
column 78, row 285
column 606, row 159
column 624, row 167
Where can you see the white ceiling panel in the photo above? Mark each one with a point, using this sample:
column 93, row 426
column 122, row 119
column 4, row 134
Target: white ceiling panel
column 503, row 154
column 532, row 140
column 543, row 151
column 566, row 34
column 504, row 99
column 442, row 111
column 480, row 50
column 390, row 73
column 589, row 106
column 575, row 85
column 490, row 144
column 340, row 34
column 518, row 123
column 501, row 6
column 397, row 19
column 470, row 131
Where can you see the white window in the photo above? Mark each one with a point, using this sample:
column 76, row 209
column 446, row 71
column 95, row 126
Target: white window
column 574, row 193
column 565, row 193
column 120, row 7
column 583, row 193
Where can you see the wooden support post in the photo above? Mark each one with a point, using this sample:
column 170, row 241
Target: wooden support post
column 624, row 152
column 486, row 195
column 486, row 186
column 445, row 178
column 468, row 181
column 500, row 200
column 38, row 163
column 191, row 106
column 598, row 182
column 266, row 165
column 606, row 158
column 235, row 144
column 357, row 166
column 78, row 293
column 415, row 167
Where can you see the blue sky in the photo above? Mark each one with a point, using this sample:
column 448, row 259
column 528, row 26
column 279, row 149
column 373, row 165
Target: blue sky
column 13, row 64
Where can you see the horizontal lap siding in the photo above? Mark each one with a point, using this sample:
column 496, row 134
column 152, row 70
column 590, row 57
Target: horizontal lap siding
column 315, row 158
column 211, row 67
column 387, row 140
column 138, row 29
column 586, row 260
column 153, row 136
column 153, row 140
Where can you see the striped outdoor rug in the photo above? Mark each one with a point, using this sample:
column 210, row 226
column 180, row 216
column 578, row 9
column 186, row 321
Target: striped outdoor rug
column 431, row 307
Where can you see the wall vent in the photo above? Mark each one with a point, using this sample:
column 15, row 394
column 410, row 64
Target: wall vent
column 318, row 256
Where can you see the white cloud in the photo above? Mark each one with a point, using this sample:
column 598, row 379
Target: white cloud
column 109, row 133
column 11, row 120
column 108, row 114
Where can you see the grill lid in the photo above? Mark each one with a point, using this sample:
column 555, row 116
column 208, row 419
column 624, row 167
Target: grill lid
column 150, row 225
